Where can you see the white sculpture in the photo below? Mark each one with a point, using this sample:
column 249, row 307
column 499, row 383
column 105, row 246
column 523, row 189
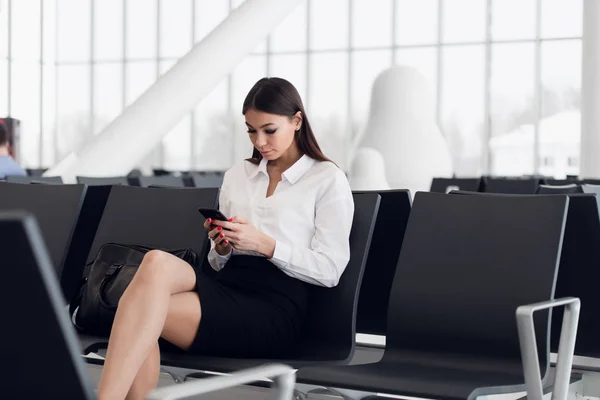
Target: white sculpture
column 368, row 170
column 402, row 128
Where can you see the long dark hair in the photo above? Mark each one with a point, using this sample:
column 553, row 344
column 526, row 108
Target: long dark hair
column 280, row 97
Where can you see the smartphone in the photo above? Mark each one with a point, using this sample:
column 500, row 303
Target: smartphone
column 212, row 214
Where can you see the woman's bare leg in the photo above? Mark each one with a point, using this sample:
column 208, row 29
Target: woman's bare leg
column 147, row 377
column 180, row 329
column 140, row 319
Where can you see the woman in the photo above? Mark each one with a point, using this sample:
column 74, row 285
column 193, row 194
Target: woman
column 291, row 212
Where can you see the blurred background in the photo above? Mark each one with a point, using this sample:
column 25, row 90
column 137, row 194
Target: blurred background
column 505, row 75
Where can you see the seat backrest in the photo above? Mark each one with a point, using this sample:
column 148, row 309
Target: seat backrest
column 158, row 217
column 35, row 171
column 162, row 180
column 559, row 189
column 93, row 181
column 579, row 273
column 330, row 326
column 511, row 185
column 29, row 282
column 444, row 185
column 561, row 182
column 34, row 179
column 56, row 208
column 388, row 235
column 83, row 237
column 466, row 264
column 207, row 179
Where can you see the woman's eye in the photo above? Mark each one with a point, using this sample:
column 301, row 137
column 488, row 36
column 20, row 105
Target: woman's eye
column 271, row 131
column 251, row 131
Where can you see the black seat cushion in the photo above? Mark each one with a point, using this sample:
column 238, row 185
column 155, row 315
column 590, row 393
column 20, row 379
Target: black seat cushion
column 409, row 379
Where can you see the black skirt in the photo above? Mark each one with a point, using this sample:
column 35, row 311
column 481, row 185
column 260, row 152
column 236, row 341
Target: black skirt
column 250, row 309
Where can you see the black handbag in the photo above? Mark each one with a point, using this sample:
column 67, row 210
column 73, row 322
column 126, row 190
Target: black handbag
column 111, row 272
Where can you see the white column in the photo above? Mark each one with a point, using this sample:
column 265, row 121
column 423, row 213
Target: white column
column 141, row 126
column 590, row 91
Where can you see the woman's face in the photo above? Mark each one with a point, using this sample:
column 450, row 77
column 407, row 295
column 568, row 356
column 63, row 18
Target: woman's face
column 271, row 134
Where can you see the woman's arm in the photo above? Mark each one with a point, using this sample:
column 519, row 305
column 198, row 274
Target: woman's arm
column 325, row 260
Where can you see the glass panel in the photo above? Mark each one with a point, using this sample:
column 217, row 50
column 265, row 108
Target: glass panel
column 177, row 155
column 416, row 22
column 366, row 66
column 247, row 73
column 560, row 127
column 166, row 65
column 25, row 95
column 562, row 18
column 3, row 28
column 464, row 21
column 141, row 29
column 140, row 76
column 508, row 24
column 425, row 61
column 291, row 67
column 262, row 46
column 49, row 44
column 175, row 27
column 3, row 88
column 327, row 106
column 108, row 94
column 49, row 116
column 209, row 14
column 73, row 28
column 328, row 24
column 213, row 125
column 512, row 109
column 371, row 23
column 73, row 108
column 25, row 27
column 462, row 94
column 108, row 26
column 290, row 35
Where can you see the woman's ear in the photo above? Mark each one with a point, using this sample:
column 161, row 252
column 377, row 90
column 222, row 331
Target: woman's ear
column 297, row 120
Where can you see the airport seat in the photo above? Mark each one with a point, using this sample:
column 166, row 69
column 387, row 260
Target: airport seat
column 34, row 179
column 579, row 269
column 511, row 185
column 394, row 210
column 57, row 209
column 161, row 181
column 94, row 181
column 445, row 185
column 83, row 236
column 452, row 330
column 330, row 327
column 579, row 273
column 207, row 179
column 161, row 217
column 28, row 281
column 559, row 189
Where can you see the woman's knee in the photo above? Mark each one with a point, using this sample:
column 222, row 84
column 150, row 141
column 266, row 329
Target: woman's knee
column 154, row 268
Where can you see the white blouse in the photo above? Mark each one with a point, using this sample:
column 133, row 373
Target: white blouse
column 309, row 215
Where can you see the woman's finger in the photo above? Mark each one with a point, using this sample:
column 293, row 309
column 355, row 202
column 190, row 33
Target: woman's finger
column 219, row 239
column 207, row 224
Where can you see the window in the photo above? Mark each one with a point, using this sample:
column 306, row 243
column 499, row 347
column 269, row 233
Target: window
column 497, row 90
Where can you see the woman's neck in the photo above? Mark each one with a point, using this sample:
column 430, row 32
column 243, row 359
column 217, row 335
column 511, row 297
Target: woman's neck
column 286, row 160
column 4, row 151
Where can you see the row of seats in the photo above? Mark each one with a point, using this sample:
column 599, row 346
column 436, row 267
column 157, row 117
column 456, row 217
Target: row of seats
column 199, row 180
column 502, row 185
column 441, row 278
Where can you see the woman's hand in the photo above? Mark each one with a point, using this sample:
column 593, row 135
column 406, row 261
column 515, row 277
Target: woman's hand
column 215, row 233
column 242, row 235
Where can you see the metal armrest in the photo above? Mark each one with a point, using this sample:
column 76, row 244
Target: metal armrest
column 566, row 347
column 284, row 379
